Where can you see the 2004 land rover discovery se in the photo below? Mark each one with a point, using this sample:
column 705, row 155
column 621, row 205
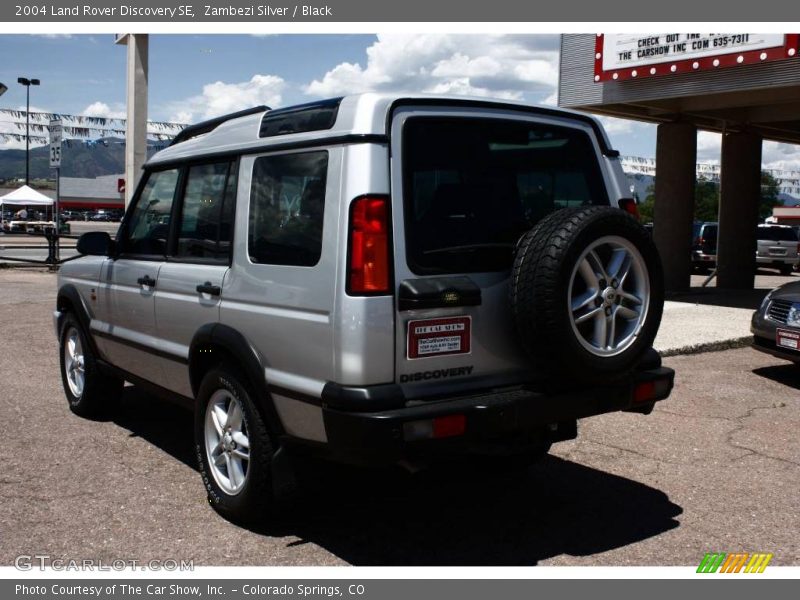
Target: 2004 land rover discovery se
column 375, row 278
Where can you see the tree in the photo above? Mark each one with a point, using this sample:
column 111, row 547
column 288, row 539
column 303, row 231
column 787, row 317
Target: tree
column 770, row 188
column 647, row 208
column 706, row 200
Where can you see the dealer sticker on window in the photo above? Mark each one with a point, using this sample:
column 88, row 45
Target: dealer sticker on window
column 437, row 337
column 787, row 339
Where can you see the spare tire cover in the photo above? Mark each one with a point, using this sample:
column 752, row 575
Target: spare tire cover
column 586, row 292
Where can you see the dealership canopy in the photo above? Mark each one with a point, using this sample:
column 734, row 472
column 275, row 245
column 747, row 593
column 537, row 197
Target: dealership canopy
column 745, row 86
column 26, row 196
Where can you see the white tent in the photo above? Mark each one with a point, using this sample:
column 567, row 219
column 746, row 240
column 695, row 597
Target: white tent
column 26, row 196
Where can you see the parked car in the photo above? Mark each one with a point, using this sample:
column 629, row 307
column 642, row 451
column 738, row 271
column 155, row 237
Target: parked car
column 704, row 245
column 101, row 216
column 375, row 279
column 776, row 324
column 777, row 247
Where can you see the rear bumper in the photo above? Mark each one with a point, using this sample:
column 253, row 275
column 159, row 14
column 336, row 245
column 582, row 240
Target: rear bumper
column 702, row 259
column 494, row 419
column 776, row 260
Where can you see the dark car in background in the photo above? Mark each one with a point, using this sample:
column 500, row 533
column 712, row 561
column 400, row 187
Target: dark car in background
column 704, row 245
column 776, row 324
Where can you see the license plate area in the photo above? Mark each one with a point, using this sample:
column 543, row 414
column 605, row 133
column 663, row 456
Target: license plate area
column 439, row 337
column 789, row 340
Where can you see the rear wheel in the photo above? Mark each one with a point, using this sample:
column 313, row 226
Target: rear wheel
column 233, row 447
column 587, row 292
column 89, row 392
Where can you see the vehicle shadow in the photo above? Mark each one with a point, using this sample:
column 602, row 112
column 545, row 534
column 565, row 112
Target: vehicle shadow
column 787, row 374
column 457, row 514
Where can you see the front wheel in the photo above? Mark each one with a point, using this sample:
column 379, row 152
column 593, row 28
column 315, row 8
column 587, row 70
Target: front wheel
column 233, row 448
column 785, row 270
column 89, row 392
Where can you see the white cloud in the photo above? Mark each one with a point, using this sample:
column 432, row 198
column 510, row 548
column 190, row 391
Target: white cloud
column 512, row 67
column 101, row 109
column 774, row 155
column 709, row 146
column 219, row 98
column 781, row 156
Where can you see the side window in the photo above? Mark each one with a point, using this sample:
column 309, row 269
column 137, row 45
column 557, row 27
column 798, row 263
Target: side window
column 287, row 202
column 205, row 223
column 147, row 228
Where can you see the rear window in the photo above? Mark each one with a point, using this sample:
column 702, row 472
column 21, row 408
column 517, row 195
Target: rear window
column 776, row 234
column 473, row 186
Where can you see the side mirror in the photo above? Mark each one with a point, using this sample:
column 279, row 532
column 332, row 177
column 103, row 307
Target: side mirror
column 95, row 243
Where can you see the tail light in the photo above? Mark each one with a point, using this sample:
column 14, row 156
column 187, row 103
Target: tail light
column 699, row 241
column 629, row 206
column 368, row 268
column 648, row 391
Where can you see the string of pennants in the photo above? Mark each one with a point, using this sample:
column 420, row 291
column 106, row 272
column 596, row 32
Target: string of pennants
column 38, row 139
column 158, row 144
column 789, row 181
column 80, row 126
column 101, row 122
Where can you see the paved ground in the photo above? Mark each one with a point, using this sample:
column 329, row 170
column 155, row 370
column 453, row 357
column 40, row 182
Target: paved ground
column 716, row 467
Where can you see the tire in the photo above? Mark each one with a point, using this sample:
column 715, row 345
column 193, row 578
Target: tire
column 238, row 489
column 785, row 270
column 570, row 318
column 89, row 392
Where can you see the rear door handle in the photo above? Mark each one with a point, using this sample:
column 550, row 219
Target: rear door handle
column 147, row 281
column 208, row 288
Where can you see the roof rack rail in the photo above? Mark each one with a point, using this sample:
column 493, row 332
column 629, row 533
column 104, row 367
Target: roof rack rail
column 211, row 124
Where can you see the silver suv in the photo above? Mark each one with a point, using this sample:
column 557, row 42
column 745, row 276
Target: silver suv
column 372, row 279
column 777, row 247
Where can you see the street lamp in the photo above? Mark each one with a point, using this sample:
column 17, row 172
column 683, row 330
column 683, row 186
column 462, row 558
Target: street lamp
column 27, row 83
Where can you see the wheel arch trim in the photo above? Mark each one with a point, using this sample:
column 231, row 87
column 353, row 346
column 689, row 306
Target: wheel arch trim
column 248, row 360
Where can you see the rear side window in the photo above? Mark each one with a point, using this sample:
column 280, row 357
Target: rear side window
column 709, row 234
column 287, row 202
column 473, row 186
column 776, row 234
column 204, row 230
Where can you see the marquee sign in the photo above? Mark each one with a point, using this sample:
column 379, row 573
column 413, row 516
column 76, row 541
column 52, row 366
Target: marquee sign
column 633, row 56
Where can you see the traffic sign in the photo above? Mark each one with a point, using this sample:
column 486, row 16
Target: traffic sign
column 56, row 131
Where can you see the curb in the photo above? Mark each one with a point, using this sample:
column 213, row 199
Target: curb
column 717, row 346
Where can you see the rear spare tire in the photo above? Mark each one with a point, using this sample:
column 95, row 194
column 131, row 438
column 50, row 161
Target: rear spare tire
column 587, row 292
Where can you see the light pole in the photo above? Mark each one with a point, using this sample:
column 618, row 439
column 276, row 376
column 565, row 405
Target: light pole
column 27, row 83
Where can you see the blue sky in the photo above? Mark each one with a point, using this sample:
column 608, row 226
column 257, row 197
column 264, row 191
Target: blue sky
column 193, row 77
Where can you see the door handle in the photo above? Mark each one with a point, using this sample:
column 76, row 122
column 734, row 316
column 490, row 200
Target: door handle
column 208, row 288
column 146, row 280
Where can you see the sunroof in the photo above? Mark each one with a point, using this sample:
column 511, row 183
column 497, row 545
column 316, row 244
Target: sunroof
column 314, row 116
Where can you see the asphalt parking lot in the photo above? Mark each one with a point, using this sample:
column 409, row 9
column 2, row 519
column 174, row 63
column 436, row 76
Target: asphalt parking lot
column 715, row 467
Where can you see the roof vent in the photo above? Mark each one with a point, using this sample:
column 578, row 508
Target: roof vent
column 314, row 116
